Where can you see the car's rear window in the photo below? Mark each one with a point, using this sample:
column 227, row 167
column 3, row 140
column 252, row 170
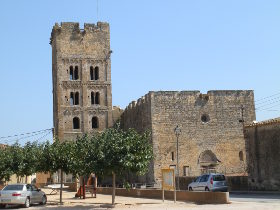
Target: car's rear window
column 13, row 187
column 219, row 178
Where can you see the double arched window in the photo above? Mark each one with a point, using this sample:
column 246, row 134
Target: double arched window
column 94, row 73
column 74, row 73
column 95, row 98
column 76, row 123
column 74, row 98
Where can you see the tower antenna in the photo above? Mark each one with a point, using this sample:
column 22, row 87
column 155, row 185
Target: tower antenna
column 97, row 9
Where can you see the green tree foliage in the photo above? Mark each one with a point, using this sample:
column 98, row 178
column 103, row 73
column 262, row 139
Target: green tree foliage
column 16, row 152
column 124, row 151
column 113, row 151
column 28, row 165
column 55, row 157
column 6, row 162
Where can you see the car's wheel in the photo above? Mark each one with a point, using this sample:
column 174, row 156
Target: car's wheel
column 190, row 189
column 27, row 203
column 44, row 200
column 207, row 189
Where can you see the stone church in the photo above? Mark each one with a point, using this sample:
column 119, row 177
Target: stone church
column 211, row 124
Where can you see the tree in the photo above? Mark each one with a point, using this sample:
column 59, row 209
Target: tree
column 16, row 153
column 84, row 159
column 6, row 162
column 28, row 165
column 55, row 157
column 124, row 151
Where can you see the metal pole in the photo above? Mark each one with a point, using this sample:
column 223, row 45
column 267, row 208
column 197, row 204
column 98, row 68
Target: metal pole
column 178, row 182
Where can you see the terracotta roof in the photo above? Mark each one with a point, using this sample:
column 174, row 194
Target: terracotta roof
column 265, row 122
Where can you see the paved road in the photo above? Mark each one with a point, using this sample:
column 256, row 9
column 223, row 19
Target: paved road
column 255, row 197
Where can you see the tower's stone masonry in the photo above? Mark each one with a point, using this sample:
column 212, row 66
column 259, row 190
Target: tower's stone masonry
column 211, row 125
column 81, row 70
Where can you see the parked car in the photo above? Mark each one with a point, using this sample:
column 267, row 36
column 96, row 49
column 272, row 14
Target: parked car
column 209, row 182
column 22, row 194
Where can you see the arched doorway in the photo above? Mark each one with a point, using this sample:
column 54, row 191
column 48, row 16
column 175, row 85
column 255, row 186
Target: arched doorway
column 208, row 161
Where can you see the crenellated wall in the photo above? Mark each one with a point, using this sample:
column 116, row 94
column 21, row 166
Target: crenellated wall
column 211, row 129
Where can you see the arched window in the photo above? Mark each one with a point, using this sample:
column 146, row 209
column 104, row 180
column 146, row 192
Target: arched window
column 97, row 98
column 94, row 122
column 71, row 73
column 96, row 73
column 91, row 73
column 76, row 101
column 241, row 158
column 76, row 73
column 71, row 99
column 76, row 123
column 92, row 98
column 74, row 98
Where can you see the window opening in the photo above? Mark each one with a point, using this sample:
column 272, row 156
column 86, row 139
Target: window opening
column 92, row 98
column 76, row 101
column 241, row 158
column 71, row 99
column 205, row 118
column 186, row 170
column 76, row 73
column 94, row 122
column 91, row 73
column 97, row 97
column 76, row 123
column 96, row 73
column 71, row 73
column 172, row 156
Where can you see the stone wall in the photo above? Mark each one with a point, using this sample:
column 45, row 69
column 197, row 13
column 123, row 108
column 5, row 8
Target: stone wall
column 137, row 115
column 263, row 151
column 211, row 129
column 196, row 197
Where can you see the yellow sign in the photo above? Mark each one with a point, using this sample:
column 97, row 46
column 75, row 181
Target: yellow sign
column 168, row 179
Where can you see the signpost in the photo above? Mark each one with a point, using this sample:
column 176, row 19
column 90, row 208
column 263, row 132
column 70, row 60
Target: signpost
column 168, row 181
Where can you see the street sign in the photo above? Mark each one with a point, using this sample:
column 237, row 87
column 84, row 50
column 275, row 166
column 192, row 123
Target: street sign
column 168, row 181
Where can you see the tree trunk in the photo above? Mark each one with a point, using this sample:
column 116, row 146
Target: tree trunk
column 84, row 188
column 25, row 179
column 61, row 186
column 114, row 188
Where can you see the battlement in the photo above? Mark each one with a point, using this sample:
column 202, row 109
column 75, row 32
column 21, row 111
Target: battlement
column 74, row 27
column 141, row 101
column 195, row 93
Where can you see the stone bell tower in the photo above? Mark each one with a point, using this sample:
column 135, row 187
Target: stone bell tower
column 81, row 73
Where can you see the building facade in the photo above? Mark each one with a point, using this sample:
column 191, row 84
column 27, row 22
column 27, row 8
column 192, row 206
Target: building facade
column 81, row 73
column 211, row 138
column 263, row 152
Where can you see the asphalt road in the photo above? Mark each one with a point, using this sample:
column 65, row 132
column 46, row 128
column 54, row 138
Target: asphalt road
column 255, row 197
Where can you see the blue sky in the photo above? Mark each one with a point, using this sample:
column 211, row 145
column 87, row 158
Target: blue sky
column 157, row 45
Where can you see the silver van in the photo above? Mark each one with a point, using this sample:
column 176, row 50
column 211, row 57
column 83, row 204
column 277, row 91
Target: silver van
column 209, row 182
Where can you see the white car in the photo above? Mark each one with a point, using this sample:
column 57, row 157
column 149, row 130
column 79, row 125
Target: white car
column 21, row 194
column 209, row 182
